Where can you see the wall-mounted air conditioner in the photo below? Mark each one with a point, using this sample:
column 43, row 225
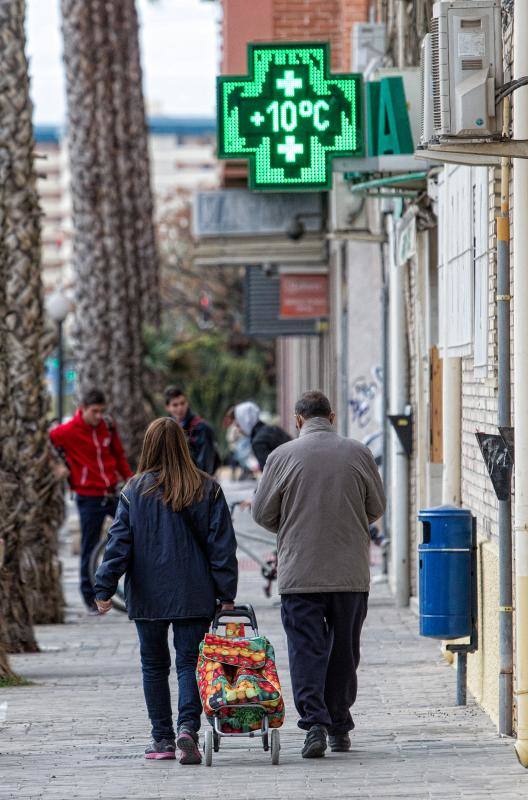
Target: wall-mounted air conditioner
column 426, row 64
column 462, row 68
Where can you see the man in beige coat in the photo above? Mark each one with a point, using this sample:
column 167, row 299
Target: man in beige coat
column 319, row 493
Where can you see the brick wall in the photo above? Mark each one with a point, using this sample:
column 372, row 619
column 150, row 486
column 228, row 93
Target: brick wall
column 301, row 20
column 480, row 401
column 351, row 12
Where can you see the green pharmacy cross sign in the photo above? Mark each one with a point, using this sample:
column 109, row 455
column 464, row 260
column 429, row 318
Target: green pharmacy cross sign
column 290, row 116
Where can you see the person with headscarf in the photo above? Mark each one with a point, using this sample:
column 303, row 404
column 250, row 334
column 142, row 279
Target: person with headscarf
column 264, row 438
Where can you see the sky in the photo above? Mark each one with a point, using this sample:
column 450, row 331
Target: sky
column 179, row 51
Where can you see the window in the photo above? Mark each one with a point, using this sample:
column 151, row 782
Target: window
column 463, row 263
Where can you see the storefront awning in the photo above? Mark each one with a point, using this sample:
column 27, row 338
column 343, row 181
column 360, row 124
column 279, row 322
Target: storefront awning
column 407, row 184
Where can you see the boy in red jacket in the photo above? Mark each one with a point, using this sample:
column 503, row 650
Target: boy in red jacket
column 97, row 463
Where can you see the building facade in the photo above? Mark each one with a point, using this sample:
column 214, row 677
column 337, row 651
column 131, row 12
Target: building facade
column 182, row 157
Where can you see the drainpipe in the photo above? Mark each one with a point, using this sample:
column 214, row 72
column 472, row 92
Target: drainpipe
column 452, row 430
column 520, row 354
column 504, row 398
column 399, row 470
column 385, row 395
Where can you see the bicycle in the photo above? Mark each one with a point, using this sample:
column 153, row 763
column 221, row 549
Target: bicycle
column 118, row 600
column 268, row 566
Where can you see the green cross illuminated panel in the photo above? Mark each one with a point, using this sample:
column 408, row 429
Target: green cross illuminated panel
column 289, row 117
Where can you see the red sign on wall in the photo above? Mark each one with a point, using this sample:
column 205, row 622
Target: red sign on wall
column 303, row 296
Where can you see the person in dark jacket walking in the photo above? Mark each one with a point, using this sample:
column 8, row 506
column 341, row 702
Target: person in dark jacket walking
column 200, row 436
column 174, row 541
column 264, row 438
column 319, row 494
column 96, row 461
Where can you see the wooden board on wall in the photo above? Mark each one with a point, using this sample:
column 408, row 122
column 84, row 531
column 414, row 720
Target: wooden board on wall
column 435, row 394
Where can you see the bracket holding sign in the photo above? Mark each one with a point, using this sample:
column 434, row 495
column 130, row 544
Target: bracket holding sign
column 290, row 116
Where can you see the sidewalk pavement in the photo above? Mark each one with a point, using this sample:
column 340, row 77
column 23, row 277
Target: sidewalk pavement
column 79, row 730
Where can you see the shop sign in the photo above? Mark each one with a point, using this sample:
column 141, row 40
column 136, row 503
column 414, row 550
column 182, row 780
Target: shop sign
column 388, row 124
column 290, row 116
column 303, row 296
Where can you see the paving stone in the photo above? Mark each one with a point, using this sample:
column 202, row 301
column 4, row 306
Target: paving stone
column 79, row 731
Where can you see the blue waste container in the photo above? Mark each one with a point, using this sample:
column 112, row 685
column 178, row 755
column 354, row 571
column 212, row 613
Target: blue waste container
column 447, row 573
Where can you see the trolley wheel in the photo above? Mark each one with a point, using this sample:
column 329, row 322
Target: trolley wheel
column 275, row 746
column 208, row 748
column 216, row 742
column 265, row 742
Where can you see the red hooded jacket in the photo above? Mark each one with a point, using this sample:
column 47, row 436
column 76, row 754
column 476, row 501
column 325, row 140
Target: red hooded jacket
column 95, row 456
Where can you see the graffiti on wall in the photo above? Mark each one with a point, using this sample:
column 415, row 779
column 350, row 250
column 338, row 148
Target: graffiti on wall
column 363, row 394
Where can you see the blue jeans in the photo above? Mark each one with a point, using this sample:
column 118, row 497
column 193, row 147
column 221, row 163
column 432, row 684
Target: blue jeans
column 156, row 665
column 92, row 513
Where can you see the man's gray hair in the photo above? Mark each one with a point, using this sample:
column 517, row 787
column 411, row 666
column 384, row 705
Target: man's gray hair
column 313, row 404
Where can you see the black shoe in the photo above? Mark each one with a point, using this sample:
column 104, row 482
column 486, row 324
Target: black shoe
column 163, row 750
column 315, row 742
column 188, row 745
column 339, row 743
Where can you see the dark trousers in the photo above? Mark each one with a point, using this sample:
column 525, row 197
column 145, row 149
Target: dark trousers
column 156, row 665
column 92, row 513
column 323, row 631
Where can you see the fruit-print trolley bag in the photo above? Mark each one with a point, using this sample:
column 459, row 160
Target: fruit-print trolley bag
column 238, row 681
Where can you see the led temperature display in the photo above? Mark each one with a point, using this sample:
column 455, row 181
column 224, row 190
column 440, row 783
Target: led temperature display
column 290, row 116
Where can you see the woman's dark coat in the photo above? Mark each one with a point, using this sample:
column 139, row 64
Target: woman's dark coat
column 265, row 439
column 177, row 564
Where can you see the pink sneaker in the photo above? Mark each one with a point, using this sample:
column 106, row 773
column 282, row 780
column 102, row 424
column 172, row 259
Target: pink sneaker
column 187, row 743
column 162, row 750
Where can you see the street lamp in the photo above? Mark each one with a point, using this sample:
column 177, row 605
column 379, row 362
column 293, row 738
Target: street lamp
column 58, row 307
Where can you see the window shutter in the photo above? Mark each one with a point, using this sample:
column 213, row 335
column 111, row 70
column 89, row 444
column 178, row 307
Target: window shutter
column 456, row 258
column 481, row 258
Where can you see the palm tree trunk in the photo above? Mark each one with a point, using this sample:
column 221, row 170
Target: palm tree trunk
column 146, row 240
column 5, row 669
column 114, row 246
column 30, row 577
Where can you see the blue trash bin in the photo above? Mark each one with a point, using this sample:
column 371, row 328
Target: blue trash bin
column 447, row 574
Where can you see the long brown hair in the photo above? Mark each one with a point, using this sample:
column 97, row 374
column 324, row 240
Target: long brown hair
column 165, row 454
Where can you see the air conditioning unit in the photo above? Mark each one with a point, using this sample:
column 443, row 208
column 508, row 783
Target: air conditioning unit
column 426, row 64
column 462, row 68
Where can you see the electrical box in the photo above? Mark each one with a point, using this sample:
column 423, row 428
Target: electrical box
column 462, row 63
column 368, row 44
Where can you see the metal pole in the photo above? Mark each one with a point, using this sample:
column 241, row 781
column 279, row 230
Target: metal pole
column 401, row 29
column 385, row 397
column 461, row 687
column 520, row 372
column 60, row 373
column 399, row 468
column 504, row 417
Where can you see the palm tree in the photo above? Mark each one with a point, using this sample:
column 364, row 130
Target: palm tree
column 30, row 575
column 115, row 258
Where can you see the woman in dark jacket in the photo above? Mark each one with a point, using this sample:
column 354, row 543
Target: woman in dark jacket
column 173, row 539
column 264, row 438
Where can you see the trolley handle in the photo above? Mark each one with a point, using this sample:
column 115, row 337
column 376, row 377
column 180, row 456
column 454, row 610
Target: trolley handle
column 245, row 611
